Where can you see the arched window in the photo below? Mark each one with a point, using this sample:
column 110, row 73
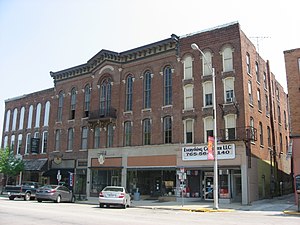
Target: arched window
column 188, row 68
column 14, row 123
column 208, row 94
column 128, row 94
column 167, row 130
column 110, row 135
column 57, row 139
column 127, row 133
column 38, row 115
column 97, row 137
column 47, row 114
column 28, row 143
column 105, row 97
column 5, row 142
column 168, row 86
column 147, row 90
column 60, row 106
column 45, row 142
column 188, row 97
column 227, row 59
column 84, row 138
column 7, row 121
column 12, row 143
column 207, row 64
column 87, row 100
column 70, row 139
column 30, row 114
column 208, row 127
column 73, row 104
column 146, row 132
column 19, row 144
column 22, row 116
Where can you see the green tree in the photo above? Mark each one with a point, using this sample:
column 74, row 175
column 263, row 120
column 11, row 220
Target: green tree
column 10, row 166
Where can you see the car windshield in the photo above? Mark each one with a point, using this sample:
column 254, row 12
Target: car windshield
column 115, row 189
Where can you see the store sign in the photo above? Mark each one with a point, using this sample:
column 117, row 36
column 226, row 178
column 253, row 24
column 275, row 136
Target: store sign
column 225, row 151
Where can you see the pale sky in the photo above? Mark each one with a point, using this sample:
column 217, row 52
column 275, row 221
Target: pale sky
column 39, row 36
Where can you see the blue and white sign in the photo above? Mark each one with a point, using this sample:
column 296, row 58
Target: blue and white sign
column 225, row 151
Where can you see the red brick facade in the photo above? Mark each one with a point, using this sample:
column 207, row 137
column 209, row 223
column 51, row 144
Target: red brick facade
column 154, row 58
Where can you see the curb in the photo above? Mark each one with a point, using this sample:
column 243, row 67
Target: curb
column 208, row 210
column 292, row 213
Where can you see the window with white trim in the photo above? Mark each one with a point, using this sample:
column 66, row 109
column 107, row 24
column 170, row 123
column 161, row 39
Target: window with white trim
column 208, row 127
column 208, row 94
column 188, row 68
column 189, row 131
column 73, row 104
column 230, row 125
column 38, row 115
column 229, row 89
column 22, row 116
column 250, row 92
column 207, row 64
column 188, row 97
column 19, row 144
column 248, row 63
column 70, row 139
column 12, row 143
column 44, row 142
column 97, row 137
column 14, row 123
column 7, row 121
column 47, row 114
column 30, row 114
column 28, row 143
column 227, row 59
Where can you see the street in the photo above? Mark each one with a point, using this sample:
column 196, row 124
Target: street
column 19, row 212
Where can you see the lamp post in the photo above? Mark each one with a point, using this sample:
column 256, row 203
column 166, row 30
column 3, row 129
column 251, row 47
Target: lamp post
column 212, row 70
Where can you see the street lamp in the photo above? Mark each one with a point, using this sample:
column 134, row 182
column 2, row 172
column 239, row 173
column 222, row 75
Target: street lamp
column 216, row 188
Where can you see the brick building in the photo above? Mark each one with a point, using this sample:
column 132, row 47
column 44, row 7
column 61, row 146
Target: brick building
column 141, row 119
column 292, row 65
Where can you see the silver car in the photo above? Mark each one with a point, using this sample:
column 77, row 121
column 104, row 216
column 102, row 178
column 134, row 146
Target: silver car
column 56, row 193
column 114, row 195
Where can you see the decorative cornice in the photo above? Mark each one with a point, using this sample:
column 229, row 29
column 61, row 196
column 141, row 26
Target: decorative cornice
column 156, row 48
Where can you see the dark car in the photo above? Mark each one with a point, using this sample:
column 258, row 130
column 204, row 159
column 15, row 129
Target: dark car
column 26, row 190
column 56, row 193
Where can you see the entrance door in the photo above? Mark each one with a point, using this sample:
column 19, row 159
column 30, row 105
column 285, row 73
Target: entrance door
column 208, row 187
column 237, row 188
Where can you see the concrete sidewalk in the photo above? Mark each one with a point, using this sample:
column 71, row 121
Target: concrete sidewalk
column 278, row 204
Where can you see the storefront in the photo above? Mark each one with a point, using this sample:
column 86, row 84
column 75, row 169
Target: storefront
column 198, row 173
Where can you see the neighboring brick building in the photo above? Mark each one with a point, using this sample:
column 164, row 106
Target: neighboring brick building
column 292, row 66
column 140, row 117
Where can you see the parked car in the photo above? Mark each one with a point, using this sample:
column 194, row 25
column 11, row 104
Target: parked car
column 26, row 190
column 56, row 193
column 114, row 195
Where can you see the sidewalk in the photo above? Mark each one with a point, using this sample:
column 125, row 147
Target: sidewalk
column 283, row 204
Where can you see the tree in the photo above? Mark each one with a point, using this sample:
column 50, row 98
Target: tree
column 9, row 164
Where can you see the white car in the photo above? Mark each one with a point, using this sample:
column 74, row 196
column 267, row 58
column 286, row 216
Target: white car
column 114, row 195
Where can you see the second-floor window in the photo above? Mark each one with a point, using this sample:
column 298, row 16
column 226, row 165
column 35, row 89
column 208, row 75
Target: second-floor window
column 110, row 135
column 127, row 133
column 208, row 94
column 28, row 142
column 45, row 142
column 70, row 139
column 146, row 132
column 105, row 96
column 189, row 130
column 87, row 100
column 57, row 140
column 229, row 90
column 97, row 137
column 84, row 138
column 167, row 130
column 261, row 134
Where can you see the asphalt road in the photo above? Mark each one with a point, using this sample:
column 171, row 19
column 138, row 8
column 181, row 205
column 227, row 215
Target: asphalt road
column 19, row 212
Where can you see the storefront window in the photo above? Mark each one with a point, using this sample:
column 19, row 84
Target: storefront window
column 224, row 185
column 102, row 178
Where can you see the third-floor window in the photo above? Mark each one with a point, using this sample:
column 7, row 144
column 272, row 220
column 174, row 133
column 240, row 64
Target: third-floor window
column 147, row 90
column 129, row 94
column 167, row 86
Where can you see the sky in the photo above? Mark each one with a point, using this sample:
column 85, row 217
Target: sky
column 39, row 36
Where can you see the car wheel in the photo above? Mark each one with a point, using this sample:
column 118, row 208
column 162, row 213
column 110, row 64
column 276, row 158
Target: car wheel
column 58, row 199
column 101, row 205
column 39, row 200
column 11, row 198
column 27, row 196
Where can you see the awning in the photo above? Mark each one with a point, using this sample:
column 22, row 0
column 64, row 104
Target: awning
column 53, row 172
column 35, row 164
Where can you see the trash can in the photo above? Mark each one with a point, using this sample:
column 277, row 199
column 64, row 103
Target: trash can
column 136, row 196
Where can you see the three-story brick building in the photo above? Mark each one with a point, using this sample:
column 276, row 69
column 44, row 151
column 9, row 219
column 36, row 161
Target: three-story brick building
column 141, row 119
